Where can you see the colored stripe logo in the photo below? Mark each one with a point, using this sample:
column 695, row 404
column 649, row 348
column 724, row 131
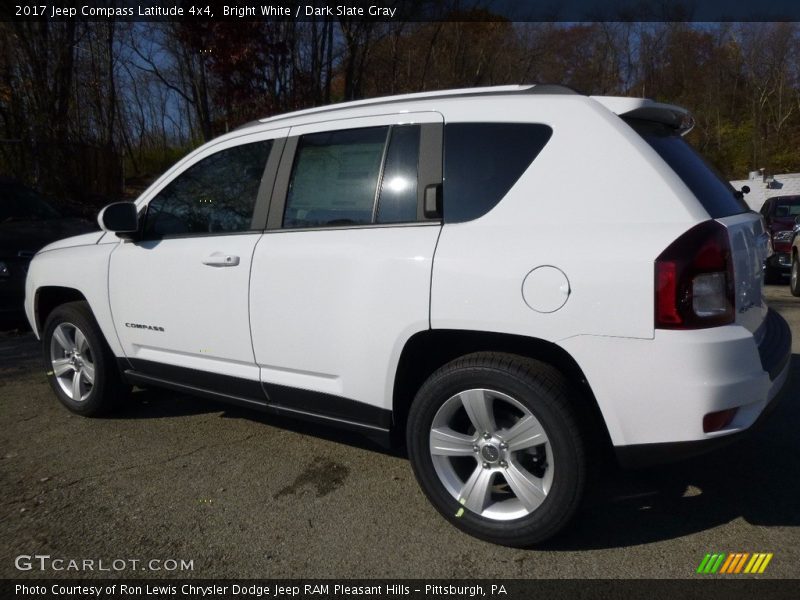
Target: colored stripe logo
column 734, row 563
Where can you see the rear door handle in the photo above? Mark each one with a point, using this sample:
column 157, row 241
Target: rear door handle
column 219, row 259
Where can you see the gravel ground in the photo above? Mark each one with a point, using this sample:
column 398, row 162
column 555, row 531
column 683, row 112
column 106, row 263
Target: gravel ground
column 245, row 495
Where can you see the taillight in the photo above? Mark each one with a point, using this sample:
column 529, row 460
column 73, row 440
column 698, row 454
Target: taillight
column 694, row 280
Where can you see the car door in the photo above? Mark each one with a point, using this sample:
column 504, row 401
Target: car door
column 341, row 278
column 179, row 295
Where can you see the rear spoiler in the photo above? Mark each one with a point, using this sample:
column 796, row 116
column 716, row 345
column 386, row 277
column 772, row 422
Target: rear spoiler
column 641, row 108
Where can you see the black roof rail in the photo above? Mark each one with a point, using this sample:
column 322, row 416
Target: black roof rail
column 552, row 88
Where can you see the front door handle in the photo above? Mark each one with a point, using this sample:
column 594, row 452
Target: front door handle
column 219, row 259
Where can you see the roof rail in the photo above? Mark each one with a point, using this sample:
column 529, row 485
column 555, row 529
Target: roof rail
column 246, row 125
column 553, row 88
column 457, row 93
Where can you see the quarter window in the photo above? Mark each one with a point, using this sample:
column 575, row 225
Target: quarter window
column 216, row 195
column 354, row 177
column 482, row 161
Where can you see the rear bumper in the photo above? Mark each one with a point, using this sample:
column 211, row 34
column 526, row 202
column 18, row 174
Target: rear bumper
column 775, row 349
column 656, row 392
column 12, row 303
column 12, row 289
column 641, row 456
column 775, row 354
column 779, row 261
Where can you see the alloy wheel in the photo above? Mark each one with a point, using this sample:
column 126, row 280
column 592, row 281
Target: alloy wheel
column 491, row 454
column 72, row 361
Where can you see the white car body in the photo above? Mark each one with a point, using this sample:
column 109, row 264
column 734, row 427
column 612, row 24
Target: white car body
column 316, row 320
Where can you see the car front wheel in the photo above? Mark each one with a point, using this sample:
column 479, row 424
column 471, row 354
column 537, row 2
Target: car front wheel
column 794, row 281
column 495, row 445
column 80, row 366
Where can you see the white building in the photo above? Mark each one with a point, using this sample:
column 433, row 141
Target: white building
column 763, row 187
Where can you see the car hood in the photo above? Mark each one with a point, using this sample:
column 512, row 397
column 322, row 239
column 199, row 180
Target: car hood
column 31, row 236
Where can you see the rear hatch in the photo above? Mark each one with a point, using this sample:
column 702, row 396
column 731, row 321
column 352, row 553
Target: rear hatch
column 661, row 126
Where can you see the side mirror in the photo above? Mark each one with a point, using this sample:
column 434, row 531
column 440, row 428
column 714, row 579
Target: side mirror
column 120, row 218
column 740, row 193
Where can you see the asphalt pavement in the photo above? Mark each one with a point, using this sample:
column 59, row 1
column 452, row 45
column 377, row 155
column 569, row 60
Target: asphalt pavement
column 239, row 494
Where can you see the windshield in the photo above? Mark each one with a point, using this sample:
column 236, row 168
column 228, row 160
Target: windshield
column 22, row 204
column 712, row 190
column 787, row 208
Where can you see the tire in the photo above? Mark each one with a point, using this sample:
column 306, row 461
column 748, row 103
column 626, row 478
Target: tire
column 80, row 366
column 794, row 281
column 520, row 485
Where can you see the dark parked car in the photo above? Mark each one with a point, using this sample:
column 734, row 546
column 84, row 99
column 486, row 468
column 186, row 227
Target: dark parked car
column 779, row 214
column 27, row 223
column 794, row 281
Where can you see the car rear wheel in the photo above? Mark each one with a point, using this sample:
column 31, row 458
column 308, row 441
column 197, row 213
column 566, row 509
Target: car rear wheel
column 495, row 445
column 794, row 281
column 80, row 366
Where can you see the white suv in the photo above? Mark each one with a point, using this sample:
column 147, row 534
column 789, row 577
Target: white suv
column 504, row 278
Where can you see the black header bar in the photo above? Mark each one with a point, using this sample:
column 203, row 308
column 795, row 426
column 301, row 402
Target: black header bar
column 704, row 587
column 405, row 10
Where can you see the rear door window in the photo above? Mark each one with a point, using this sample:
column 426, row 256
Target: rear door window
column 482, row 161
column 354, row 177
column 713, row 191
